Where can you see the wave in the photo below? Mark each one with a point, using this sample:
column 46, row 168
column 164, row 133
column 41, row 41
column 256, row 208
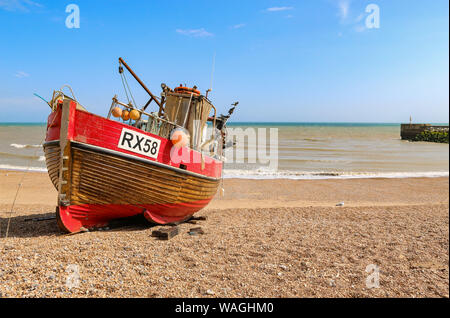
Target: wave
column 20, row 146
column 320, row 175
column 21, row 168
column 17, row 156
column 292, row 175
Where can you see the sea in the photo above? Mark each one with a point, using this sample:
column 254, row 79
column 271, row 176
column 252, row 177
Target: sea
column 303, row 151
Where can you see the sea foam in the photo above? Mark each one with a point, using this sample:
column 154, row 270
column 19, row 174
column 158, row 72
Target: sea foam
column 261, row 174
column 21, row 168
column 20, row 146
column 320, row 175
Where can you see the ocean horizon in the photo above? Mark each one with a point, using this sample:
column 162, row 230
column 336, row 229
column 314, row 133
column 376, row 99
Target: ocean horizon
column 306, row 150
column 250, row 123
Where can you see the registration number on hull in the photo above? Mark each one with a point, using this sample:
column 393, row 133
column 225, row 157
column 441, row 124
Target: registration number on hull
column 139, row 143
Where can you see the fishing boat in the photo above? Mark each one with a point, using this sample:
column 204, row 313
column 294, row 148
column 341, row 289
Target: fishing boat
column 166, row 164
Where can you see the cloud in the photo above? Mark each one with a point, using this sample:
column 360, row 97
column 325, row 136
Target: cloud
column 277, row 9
column 356, row 23
column 238, row 26
column 195, row 32
column 21, row 74
column 18, row 5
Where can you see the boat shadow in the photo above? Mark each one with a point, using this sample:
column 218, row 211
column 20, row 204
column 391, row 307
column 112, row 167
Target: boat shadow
column 44, row 224
column 29, row 226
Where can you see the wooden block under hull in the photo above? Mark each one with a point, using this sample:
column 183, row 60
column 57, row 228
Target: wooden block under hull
column 166, row 234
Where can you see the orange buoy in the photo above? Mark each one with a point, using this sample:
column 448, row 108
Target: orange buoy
column 135, row 115
column 117, row 112
column 186, row 90
column 125, row 115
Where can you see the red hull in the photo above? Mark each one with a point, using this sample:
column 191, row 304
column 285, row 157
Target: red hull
column 86, row 165
column 72, row 218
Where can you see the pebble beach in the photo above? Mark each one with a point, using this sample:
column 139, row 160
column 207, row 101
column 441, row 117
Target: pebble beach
column 263, row 238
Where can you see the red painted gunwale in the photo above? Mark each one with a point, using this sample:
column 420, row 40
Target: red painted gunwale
column 101, row 132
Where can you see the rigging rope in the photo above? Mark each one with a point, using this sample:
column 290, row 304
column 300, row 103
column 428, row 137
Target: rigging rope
column 124, row 88
column 70, row 88
column 29, row 162
column 124, row 80
column 20, row 184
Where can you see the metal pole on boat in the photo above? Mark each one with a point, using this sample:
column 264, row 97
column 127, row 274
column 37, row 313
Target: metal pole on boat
column 112, row 106
column 212, row 75
column 188, row 111
column 121, row 61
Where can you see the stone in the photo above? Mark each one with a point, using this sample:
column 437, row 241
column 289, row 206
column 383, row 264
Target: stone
column 196, row 231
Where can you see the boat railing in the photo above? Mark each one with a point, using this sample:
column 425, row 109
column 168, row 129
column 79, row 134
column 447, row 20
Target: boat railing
column 155, row 124
column 163, row 127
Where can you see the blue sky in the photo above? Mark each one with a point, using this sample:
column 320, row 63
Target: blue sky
column 312, row 60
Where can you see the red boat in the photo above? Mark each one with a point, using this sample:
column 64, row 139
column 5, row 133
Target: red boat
column 162, row 164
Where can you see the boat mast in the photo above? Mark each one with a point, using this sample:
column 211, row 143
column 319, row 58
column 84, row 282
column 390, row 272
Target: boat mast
column 212, row 75
column 152, row 97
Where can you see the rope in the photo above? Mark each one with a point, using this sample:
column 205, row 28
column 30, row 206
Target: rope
column 124, row 88
column 48, row 103
column 70, row 88
column 20, row 186
column 132, row 97
column 24, row 174
column 12, row 207
column 124, row 79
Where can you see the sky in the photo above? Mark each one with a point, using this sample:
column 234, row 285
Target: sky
column 285, row 61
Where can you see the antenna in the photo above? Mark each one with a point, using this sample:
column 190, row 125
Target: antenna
column 212, row 75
